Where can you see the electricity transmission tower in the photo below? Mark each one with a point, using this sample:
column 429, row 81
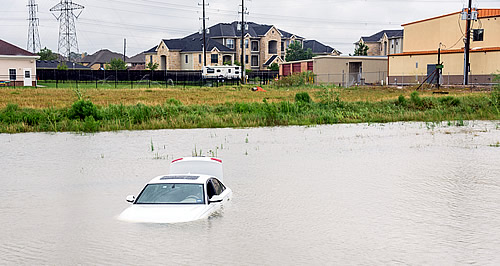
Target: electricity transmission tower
column 33, row 36
column 67, row 28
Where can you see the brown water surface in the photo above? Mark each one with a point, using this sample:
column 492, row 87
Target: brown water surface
column 401, row 193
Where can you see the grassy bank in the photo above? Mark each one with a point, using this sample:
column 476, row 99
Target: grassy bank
column 43, row 98
column 327, row 106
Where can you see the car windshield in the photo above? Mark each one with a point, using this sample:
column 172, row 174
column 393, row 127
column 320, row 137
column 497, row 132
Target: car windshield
column 172, row 194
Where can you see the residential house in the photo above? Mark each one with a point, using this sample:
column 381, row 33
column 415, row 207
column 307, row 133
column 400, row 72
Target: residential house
column 263, row 45
column 137, row 62
column 383, row 43
column 54, row 64
column 187, row 54
column 100, row 59
column 423, row 38
column 17, row 66
column 319, row 48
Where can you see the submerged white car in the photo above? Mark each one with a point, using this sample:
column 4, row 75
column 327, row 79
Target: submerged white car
column 193, row 190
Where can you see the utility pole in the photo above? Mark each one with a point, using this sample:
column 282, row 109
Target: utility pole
column 439, row 68
column 467, row 45
column 33, row 35
column 124, row 49
column 204, row 34
column 243, row 24
column 67, row 26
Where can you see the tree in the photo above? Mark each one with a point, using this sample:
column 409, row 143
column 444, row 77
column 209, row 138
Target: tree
column 62, row 66
column 47, row 55
column 296, row 52
column 361, row 49
column 152, row 66
column 274, row 67
column 116, row 64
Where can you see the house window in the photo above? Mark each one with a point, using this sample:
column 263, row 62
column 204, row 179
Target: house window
column 246, row 59
column 477, row 35
column 246, row 44
column 12, row 74
column 215, row 59
column 255, row 46
column 282, row 46
column 199, row 58
column 272, row 47
column 151, row 58
column 255, row 60
column 230, row 43
column 187, row 59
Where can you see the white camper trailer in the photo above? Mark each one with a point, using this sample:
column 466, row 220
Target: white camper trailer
column 221, row 72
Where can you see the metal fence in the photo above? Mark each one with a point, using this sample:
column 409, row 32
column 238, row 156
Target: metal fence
column 143, row 78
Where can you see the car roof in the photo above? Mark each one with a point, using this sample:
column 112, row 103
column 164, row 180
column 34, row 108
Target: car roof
column 180, row 179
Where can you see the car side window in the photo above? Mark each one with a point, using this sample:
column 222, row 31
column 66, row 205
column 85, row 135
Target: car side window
column 210, row 189
column 221, row 186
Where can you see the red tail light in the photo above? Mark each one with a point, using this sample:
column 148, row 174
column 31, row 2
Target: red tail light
column 176, row 160
column 217, row 160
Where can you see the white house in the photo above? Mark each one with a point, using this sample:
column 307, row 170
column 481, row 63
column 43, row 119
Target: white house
column 17, row 66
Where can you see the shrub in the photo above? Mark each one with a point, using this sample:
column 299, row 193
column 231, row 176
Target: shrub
column 90, row 124
column 303, row 97
column 173, row 101
column 82, row 109
column 495, row 94
column 450, row 101
column 296, row 79
column 402, row 101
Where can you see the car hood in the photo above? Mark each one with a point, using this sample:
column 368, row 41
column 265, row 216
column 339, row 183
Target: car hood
column 151, row 213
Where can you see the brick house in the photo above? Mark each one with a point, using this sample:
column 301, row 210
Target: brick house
column 383, row 43
column 263, row 44
column 99, row 59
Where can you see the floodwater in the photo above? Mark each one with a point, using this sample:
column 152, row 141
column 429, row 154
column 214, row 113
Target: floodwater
column 397, row 194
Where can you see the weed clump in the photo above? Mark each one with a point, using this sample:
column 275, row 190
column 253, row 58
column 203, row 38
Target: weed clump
column 296, row 79
column 303, row 97
column 82, row 109
column 402, row 101
column 450, row 101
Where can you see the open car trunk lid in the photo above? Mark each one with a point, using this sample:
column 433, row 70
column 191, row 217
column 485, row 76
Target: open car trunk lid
column 197, row 165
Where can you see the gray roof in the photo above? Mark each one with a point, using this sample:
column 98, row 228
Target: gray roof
column 377, row 36
column 231, row 30
column 101, row 57
column 137, row 59
column 194, row 43
column 52, row 64
column 152, row 50
column 270, row 60
column 317, row 47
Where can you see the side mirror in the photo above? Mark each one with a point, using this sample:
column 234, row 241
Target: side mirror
column 131, row 198
column 215, row 199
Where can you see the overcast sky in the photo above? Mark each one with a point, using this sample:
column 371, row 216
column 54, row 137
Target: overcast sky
column 105, row 23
